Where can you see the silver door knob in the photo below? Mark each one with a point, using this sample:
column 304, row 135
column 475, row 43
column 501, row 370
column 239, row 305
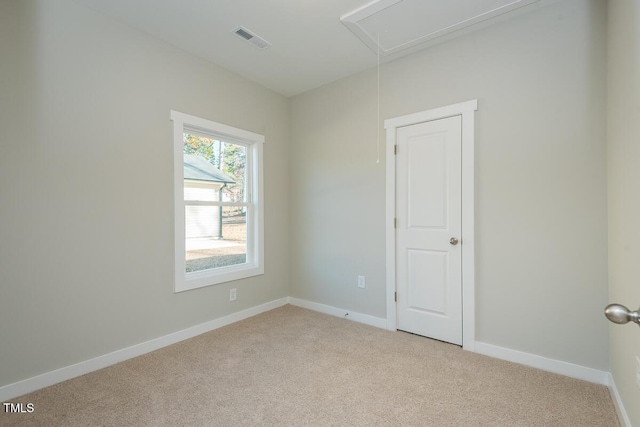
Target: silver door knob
column 618, row 313
column 453, row 241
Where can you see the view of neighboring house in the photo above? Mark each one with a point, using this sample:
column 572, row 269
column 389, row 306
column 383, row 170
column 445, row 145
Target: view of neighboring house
column 204, row 182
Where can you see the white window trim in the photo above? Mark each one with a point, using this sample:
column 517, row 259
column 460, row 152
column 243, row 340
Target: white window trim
column 255, row 216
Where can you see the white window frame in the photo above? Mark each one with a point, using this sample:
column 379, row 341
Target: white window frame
column 254, row 202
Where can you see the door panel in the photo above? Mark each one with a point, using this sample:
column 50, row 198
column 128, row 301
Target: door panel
column 426, row 184
column 429, row 191
column 427, row 267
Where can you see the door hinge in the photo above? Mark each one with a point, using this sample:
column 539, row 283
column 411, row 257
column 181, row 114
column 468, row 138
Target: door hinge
column 395, row 296
column 395, row 149
column 395, row 222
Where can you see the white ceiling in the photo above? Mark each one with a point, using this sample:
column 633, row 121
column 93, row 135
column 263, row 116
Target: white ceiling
column 309, row 45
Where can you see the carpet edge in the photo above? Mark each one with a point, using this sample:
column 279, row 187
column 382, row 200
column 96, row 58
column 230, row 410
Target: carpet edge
column 46, row 379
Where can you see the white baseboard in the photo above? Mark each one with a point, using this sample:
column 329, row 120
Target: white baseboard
column 378, row 322
column 544, row 363
column 535, row 361
column 617, row 402
column 562, row 368
column 53, row 377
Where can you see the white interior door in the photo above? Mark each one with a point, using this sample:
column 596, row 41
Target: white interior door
column 428, row 229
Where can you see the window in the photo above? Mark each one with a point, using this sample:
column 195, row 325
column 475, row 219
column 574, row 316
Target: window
column 218, row 202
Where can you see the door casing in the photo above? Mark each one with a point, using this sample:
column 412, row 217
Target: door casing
column 467, row 111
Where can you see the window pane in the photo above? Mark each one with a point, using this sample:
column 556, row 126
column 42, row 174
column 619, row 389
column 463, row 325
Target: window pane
column 234, row 164
column 211, row 243
column 216, row 168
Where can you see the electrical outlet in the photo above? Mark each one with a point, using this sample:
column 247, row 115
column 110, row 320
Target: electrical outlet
column 638, row 371
column 232, row 294
column 361, row 281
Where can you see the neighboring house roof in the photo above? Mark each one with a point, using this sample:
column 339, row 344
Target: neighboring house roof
column 197, row 168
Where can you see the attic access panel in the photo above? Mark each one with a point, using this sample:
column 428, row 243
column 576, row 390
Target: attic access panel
column 398, row 25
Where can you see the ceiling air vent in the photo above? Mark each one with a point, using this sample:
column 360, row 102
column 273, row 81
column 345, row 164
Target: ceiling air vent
column 252, row 38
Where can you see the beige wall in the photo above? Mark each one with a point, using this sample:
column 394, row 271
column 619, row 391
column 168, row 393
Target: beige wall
column 623, row 139
column 541, row 220
column 86, row 229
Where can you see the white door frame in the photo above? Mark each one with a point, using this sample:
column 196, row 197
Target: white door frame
column 466, row 111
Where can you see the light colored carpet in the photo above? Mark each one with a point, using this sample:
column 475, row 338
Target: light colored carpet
column 296, row 367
